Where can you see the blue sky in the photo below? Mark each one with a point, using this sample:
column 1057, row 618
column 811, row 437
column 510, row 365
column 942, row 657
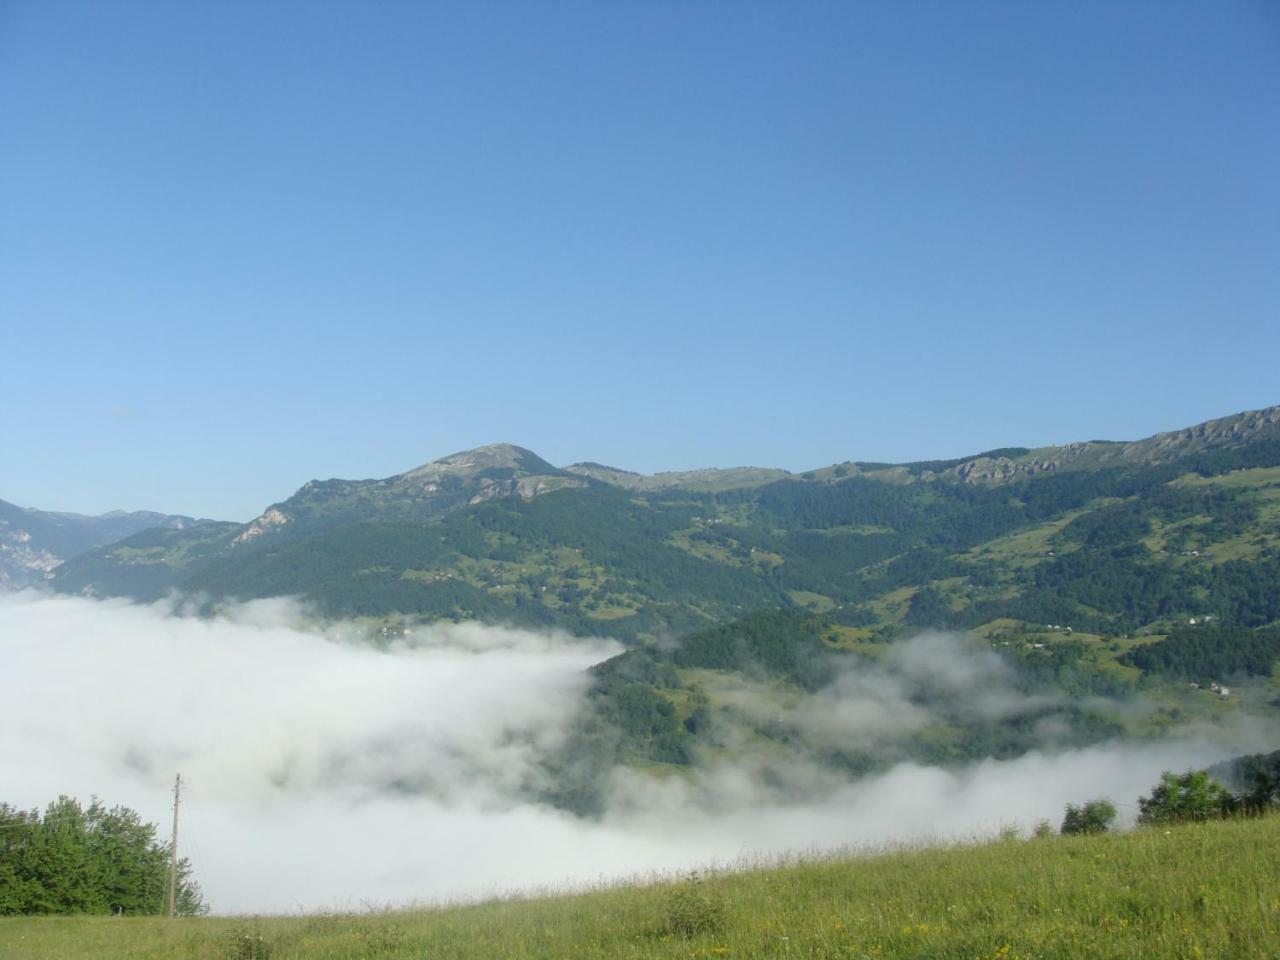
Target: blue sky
column 243, row 245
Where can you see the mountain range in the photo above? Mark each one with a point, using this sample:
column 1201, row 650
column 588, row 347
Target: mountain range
column 1107, row 536
column 1079, row 576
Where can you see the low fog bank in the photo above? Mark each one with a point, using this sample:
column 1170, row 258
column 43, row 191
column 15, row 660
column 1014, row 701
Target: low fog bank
column 322, row 773
column 928, row 681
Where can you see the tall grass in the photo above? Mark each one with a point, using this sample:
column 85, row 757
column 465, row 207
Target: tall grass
column 1209, row 890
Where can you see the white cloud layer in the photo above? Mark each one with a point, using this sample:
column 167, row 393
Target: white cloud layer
column 322, row 773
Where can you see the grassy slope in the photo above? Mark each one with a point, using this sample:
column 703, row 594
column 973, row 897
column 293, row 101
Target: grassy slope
column 1210, row 890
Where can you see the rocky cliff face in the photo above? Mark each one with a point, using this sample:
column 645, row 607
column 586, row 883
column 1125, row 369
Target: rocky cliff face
column 21, row 562
column 1233, row 431
column 1224, row 433
column 271, row 518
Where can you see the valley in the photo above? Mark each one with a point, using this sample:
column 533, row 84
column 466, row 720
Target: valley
column 1094, row 592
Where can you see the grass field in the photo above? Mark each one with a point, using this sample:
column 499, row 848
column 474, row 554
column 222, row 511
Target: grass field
column 1209, row 890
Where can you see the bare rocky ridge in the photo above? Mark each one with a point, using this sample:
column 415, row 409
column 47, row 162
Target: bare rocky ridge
column 460, row 479
column 271, row 517
column 1222, row 433
column 531, row 476
column 468, row 463
column 1232, row 431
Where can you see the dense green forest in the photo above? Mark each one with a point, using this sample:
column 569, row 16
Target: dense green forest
column 1093, row 572
column 1206, row 652
column 1257, row 773
column 76, row 859
column 667, row 704
column 1111, row 550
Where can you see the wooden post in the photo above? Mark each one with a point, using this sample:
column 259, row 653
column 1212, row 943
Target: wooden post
column 173, row 847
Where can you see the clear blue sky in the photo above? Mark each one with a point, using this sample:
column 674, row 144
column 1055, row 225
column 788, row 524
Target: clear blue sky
column 246, row 244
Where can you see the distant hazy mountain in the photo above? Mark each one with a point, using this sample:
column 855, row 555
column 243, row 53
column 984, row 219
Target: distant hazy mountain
column 33, row 542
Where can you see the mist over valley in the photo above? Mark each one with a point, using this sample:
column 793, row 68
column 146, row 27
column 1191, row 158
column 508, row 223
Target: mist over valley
column 489, row 673
column 580, row 481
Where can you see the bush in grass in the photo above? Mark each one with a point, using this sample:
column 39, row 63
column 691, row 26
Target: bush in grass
column 1095, row 816
column 1186, row 797
column 248, row 944
column 690, row 909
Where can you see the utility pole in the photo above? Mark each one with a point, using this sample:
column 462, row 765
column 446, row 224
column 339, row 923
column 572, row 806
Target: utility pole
column 173, row 847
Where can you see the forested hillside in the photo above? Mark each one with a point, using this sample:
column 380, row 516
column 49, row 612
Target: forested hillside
column 1075, row 583
column 1111, row 539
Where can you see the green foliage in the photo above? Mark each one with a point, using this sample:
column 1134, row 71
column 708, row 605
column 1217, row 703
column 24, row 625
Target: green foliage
column 628, row 718
column 634, row 666
column 631, row 705
column 1259, row 779
column 642, row 566
column 246, row 943
column 647, row 721
column 825, row 561
column 372, row 567
column 773, row 643
column 1124, row 581
column 690, row 910
column 929, row 608
column 1255, row 776
column 640, row 708
column 1096, row 816
column 1065, row 668
column 1190, row 796
column 1209, row 652
column 149, row 564
column 86, row 860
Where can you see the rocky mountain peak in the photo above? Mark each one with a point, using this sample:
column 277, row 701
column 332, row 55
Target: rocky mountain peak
column 494, row 456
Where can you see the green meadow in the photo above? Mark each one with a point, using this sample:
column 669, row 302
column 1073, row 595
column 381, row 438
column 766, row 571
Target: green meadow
column 1203, row 890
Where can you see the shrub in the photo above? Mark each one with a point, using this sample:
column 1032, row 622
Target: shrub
column 690, row 910
column 1095, row 816
column 1181, row 798
column 247, row 944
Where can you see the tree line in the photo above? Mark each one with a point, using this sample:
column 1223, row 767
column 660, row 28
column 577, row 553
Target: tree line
column 1190, row 797
column 76, row 859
